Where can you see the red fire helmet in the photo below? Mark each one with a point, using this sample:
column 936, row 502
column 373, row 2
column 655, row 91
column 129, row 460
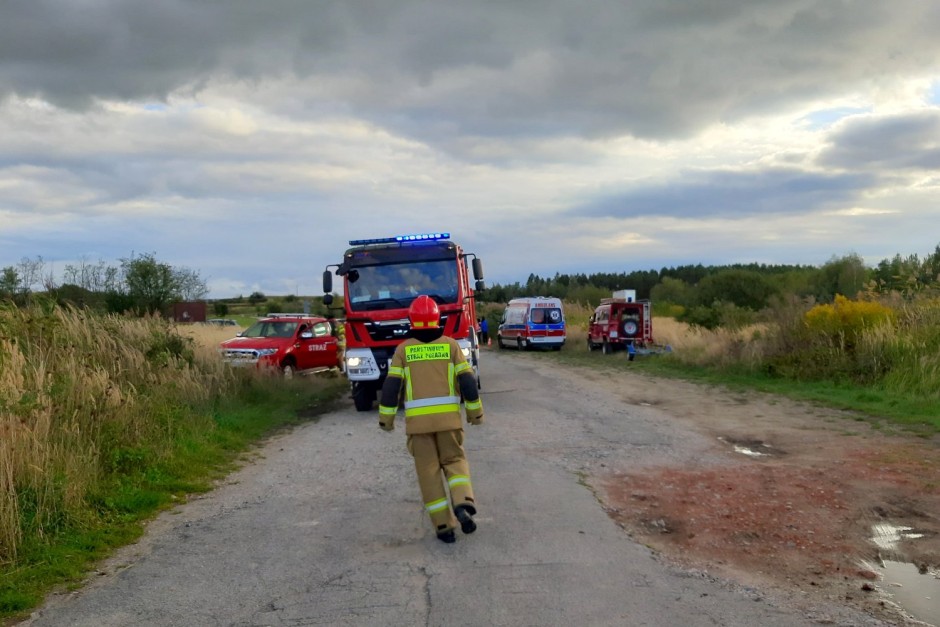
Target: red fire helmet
column 424, row 313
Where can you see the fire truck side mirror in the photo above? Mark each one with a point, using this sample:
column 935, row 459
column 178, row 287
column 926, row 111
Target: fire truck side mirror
column 478, row 270
column 480, row 286
column 327, row 299
column 327, row 283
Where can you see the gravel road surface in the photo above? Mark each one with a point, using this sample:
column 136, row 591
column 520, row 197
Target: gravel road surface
column 326, row 527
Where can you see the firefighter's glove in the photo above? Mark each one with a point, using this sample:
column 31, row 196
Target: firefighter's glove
column 476, row 421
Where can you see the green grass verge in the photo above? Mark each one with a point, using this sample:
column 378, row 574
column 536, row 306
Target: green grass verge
column 148, row 485
column 879, row 406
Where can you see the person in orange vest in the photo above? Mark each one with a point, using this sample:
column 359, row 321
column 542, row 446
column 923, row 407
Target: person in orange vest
column 431, row 373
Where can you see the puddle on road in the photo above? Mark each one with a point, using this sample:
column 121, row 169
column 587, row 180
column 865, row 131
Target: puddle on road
column 915, row 590
column 746, row 451
column 751, row 448
column 887, row 536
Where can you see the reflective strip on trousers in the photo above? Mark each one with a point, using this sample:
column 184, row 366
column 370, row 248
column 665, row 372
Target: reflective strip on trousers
column 436, row 506
column 477, row 404
column 458, row 480
column 387, row 411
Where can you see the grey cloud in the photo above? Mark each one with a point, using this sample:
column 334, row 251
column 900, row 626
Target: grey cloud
column 648, row 68
column 900, row 142
column 731, row 194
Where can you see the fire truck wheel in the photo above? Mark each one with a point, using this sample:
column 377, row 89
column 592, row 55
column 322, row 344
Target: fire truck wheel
column 606, row 347
column 362, row 396
column 590, row 344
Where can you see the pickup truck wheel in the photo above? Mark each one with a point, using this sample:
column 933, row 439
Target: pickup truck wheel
column 288, row 369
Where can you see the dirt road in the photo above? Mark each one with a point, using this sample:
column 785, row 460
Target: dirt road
column 577, row 475
column 811, row 502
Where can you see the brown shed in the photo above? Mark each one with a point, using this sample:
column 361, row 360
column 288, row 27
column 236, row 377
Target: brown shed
column 189, row 312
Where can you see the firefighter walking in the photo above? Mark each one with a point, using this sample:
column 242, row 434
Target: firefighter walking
column 431, row 373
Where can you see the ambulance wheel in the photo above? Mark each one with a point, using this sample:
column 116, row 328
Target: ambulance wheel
column 363, row 396
column 499, row 341
column 607, row 348
column 522, row 345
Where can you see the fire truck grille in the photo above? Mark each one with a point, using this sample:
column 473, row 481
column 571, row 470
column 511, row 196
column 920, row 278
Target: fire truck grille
column 387, row 332
column 392, row 330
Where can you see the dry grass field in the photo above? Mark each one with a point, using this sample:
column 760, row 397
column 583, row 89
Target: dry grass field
column 691, row 345
column 207, row 337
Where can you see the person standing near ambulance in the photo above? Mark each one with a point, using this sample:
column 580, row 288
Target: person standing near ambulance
column 429, row 370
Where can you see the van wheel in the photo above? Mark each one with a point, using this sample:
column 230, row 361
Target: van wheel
column 499, row 341
column 522, row 345
column 606, row 347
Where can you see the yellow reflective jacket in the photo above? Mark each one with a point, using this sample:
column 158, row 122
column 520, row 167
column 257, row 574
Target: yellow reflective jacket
column 434, row 377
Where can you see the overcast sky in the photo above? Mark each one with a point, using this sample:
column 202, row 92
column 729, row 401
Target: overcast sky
column 250, row 140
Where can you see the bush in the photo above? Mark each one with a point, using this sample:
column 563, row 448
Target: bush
column 844, row 321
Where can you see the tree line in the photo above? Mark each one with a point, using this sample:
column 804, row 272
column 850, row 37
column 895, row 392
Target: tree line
column 717, row 294
column 139, row 283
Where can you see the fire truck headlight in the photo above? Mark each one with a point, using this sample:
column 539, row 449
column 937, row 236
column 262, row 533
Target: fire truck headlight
column 353, row 362
column 466, row 352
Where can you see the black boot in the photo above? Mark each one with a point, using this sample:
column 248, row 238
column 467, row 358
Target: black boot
column 463, row 513
column 447, row 537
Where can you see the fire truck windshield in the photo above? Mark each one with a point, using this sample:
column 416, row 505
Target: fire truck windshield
column 394, row 286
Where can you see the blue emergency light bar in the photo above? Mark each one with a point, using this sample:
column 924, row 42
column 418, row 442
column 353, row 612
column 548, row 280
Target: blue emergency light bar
column 417, row 237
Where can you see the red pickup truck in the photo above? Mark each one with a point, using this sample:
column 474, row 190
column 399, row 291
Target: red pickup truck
column 289, row 343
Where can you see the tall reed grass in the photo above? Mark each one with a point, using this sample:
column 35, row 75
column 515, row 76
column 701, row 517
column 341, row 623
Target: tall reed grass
column 83, row 398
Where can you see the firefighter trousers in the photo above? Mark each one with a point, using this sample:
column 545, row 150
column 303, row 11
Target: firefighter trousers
column 434, row 454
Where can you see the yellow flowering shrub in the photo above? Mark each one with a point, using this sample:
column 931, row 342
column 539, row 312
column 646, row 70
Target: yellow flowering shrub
column 847, row 319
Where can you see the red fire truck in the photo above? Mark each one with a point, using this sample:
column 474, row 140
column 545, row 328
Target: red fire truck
column 380, row 279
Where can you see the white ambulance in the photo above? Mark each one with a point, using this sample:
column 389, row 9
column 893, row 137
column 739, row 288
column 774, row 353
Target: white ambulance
column 537, row 322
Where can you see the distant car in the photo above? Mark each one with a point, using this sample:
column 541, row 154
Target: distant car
column 289, row 343
column 222, row 322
